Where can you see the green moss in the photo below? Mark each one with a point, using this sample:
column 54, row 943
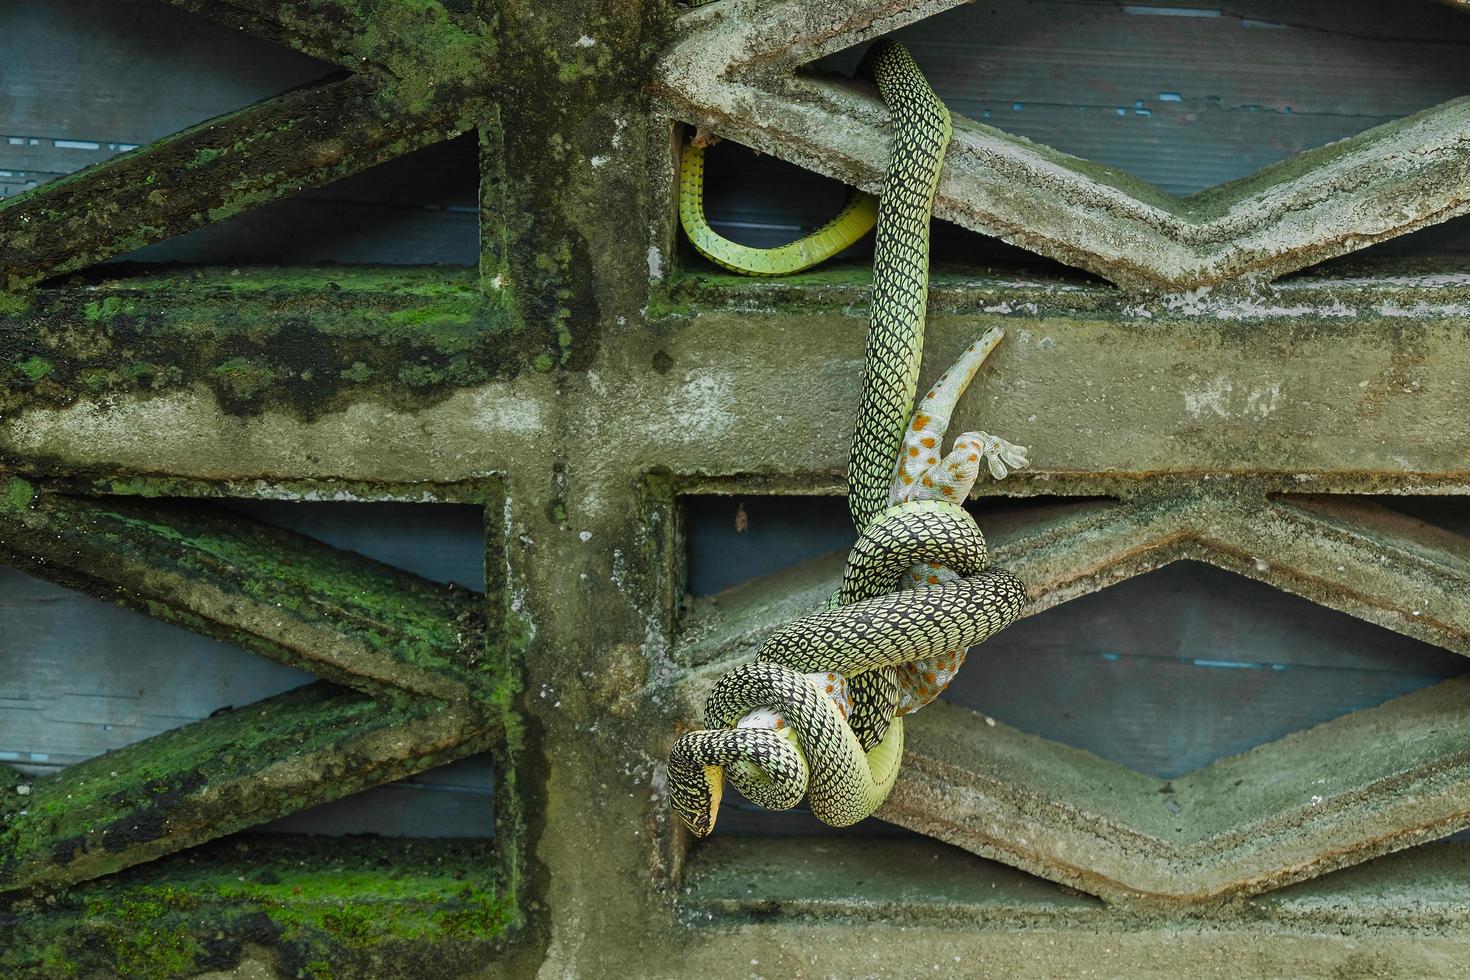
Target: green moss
column 346, row 910
column 245, row 377
column 203, row 156
column 14, row 303
column 35, row 368
column 104, row 309
column 304, row 342
column 96, row 379
column 543, row 362
column 18, row 495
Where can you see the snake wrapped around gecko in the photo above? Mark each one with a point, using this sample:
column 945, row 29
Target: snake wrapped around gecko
column 819, row 712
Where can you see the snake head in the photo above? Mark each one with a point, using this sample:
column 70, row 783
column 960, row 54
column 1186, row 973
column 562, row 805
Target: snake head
column 694, row 794
column 1002, row 457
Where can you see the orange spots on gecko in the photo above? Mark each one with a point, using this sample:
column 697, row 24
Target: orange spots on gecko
column 928, row 482
column 933, row 579
column 973, row 458
column 947, row 491
column 907, row 479
column 913, row 450
column 927, row 442
column 920, row 420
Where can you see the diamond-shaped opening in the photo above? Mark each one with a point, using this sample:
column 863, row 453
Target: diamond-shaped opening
column 418, row 209
column 443, row 543
column 1184, row 97
column 1191, row 95
column 85, row 81
column 734, row 541
column 1169, row 671
column 83, row 676
column 1163, row 673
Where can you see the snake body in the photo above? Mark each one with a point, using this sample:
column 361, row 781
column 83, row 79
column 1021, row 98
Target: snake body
column 850, row 224
column 778, row 727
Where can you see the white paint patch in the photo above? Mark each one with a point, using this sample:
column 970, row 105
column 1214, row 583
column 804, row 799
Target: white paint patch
column 700, row 407
column 1220, row 398
column 586, row 42
column 499, row 411
column 584, row 536
column 1211, row 398
column 598, row 161
column 655, row 263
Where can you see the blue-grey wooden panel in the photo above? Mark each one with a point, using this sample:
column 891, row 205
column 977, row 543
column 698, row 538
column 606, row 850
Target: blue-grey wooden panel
column 85, row 79
column 1187, row 95
column 79, row 676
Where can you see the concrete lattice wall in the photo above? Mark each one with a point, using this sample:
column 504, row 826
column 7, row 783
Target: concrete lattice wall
column 587, row 377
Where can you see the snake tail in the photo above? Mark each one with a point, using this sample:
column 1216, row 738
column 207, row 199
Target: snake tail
column 854, row 221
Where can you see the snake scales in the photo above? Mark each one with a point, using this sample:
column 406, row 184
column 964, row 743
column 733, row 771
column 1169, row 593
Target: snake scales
column 819, row 711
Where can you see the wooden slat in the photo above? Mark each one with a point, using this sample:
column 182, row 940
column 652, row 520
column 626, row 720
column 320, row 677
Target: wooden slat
column 124, row 71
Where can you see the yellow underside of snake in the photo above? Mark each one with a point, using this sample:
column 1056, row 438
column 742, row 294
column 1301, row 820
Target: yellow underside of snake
column 848, row 764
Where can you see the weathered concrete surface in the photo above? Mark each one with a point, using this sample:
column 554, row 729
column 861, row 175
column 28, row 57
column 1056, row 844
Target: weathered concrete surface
column 586, row 383
column 1341, row 793
column 1325, row 388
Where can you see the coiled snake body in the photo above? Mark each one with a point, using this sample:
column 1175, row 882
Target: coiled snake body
column 781, row 727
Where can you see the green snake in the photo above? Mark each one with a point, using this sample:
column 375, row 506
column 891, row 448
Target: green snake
column 817, row 712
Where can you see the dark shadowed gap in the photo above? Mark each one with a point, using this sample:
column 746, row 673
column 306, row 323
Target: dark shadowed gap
column 1163, row 673
column 1448, row 513
column 419, row 209
column 760, row 200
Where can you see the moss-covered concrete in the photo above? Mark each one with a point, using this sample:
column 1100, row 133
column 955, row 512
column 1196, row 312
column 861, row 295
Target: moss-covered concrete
column 310, row 908
column 292, row 598
column 302, row 341
column 222, row 774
